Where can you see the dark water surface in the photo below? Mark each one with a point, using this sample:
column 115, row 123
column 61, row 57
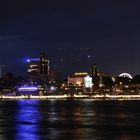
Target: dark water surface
column 69, row 120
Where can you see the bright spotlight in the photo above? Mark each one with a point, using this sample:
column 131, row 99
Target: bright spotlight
column 28, row 60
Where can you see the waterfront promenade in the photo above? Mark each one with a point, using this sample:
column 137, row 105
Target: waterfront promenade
column 94, row 97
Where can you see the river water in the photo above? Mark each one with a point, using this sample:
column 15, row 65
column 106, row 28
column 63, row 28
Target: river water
column 69, row 120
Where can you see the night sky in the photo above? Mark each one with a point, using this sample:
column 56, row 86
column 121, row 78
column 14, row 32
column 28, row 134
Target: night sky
column 74, row 34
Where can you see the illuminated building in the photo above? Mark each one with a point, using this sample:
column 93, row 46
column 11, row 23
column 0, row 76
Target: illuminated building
column 77, row 79
column 88, row 82
column 94, row 71
column 38, row 67
column 95, row 77
column 80, row 82
column 33, row 68
column 44, row 66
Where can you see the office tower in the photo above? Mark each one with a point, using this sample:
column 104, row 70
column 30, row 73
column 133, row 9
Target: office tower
column 39, row 68
column 95, row 77
column 44, row 65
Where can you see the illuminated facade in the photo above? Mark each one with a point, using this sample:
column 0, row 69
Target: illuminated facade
column 33, row 68
column 44, row 66
column 77, row 79
column 79, row 83
column 38, row 67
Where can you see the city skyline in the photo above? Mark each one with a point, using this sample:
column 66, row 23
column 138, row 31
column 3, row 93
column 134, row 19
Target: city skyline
column 73, row 34
column 69, row 69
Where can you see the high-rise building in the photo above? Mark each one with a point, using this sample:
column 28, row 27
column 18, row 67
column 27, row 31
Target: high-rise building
column 94, row 71
column 95, row 77
column 33, row 68
column 39, row 68
column 44, row 65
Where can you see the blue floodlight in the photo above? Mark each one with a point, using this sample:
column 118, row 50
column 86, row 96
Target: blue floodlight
column 28, row 60
column 27, row 88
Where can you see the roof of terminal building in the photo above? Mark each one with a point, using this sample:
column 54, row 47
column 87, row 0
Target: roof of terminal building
column 79, row 74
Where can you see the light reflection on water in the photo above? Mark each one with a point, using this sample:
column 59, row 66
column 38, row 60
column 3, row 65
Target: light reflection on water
column 69, row 119
column 27, row 119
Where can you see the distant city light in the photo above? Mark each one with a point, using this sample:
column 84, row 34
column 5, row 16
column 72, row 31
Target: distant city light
column 52, row 88
column 89, row 56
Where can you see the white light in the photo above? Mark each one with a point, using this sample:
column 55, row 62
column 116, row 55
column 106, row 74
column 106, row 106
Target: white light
column 52, row 88
column 89, row 56
column 126, row 75
column 78, row 83
column 88, row 82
